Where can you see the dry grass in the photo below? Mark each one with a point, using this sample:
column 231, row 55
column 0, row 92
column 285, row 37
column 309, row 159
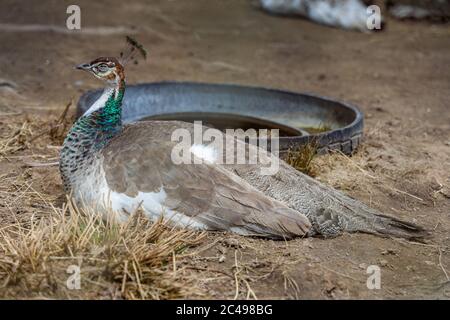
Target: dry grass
column 14, row 138
column 135, row 260
column 42, row 235
column 19, row 134
column 301, row 158
column 57, row 129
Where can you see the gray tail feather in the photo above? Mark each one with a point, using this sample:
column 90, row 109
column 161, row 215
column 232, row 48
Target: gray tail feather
column 359, row 218
column 389, row 226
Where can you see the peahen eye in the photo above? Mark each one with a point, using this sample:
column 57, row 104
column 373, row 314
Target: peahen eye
column 102, row 67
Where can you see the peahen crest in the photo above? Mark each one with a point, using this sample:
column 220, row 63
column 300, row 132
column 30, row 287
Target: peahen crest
column 133, row 48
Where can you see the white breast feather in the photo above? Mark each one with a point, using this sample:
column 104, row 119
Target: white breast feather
column 100, row 101
column 94, row 192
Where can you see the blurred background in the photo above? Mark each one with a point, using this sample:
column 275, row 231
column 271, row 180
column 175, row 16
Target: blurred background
column 399, row 77
column 233, row 41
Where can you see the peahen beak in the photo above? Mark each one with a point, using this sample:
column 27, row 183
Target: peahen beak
column 83, row 66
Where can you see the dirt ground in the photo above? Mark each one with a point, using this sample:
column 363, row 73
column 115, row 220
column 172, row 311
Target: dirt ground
column 399, row 77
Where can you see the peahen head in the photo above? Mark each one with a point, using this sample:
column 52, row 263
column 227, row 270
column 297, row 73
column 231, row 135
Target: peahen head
column 108, row 69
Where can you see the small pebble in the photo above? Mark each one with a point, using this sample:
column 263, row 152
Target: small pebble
column 389, row 251
column 222, row 249
column 410, row 268
column 232, row 243
column 383, row 262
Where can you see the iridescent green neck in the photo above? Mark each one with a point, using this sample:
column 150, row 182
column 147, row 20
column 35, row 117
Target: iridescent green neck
column 103, row 120
column 91, row 133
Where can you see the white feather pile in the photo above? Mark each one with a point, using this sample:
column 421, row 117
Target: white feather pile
column 347, row 14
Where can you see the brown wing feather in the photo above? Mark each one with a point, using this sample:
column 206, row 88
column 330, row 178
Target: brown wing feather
column 137, row 161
